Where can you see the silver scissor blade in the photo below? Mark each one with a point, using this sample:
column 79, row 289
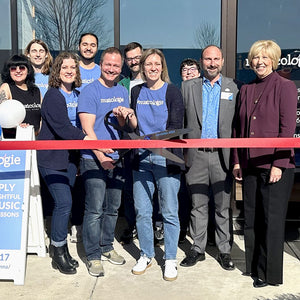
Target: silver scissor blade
column 134, row 136
column 167, row 154
column 167, row 134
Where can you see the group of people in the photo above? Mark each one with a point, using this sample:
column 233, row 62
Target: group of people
column 79, row 96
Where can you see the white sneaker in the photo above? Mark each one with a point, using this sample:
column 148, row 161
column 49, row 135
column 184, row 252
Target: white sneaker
column 142, row 264
column 76, row 234
column 170, row 273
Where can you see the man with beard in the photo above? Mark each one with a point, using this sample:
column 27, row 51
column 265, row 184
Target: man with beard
column 210, row 102
column 132, row 53
column 88, row 47
column 89, row 71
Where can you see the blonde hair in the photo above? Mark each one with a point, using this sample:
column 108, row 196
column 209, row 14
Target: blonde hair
column 269, row 47
column 164, row 74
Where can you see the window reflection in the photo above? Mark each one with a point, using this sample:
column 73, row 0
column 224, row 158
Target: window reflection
column 180, row 30
column 277, row 20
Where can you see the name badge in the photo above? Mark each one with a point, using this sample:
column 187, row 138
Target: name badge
column 227, row 96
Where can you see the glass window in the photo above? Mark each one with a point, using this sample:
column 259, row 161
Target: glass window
column 46, row 20
column 5, row 37
column 179, row 28
column 276, row 20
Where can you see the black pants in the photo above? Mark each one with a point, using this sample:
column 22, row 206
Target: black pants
column 265, row 207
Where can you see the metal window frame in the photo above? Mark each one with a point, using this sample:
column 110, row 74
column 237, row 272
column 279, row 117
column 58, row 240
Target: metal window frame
column 229, row 36
column 14, row 26
column 117, row 23
column 228, row 31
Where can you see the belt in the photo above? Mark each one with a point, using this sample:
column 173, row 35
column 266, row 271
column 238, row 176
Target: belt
column 208, row 149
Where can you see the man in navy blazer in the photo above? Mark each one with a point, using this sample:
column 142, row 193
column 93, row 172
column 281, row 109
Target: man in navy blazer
column 210, row 102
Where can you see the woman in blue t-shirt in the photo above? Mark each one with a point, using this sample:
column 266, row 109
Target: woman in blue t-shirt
column 58, row 167
column 158, row 106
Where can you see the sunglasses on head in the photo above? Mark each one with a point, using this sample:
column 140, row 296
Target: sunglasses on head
column 14, row 68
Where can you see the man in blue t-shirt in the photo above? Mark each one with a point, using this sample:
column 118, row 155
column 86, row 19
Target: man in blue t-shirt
column 89, row 71
column 88, row 48
column 103, row 177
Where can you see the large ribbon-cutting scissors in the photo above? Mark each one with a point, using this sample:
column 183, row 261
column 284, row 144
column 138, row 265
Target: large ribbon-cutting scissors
column 162, row 135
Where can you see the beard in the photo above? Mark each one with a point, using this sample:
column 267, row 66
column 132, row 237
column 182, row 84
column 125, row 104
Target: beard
column 211, row 73
column 88, row 58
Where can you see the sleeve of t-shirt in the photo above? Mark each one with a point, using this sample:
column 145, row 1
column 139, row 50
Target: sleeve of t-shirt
column 87, row 100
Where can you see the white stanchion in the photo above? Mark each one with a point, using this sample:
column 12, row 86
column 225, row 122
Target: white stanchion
column 21, row 217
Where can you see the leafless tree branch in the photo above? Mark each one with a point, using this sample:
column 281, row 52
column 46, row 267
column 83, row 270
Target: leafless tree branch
column 206, row 34
column 61, row 22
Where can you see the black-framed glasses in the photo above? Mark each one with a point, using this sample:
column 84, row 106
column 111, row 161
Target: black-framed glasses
column 191, row 69
column 138, row 57
column 14, row 68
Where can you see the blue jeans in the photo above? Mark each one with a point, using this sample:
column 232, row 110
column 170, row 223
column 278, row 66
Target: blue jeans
column 59, row 184
column 129, row 211
column 153, row 172
column 103, row 190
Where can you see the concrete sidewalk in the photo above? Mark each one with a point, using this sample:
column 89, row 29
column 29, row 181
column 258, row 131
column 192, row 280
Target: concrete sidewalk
column 206, row 280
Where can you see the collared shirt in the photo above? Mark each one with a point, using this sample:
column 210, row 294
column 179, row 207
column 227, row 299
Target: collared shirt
column 210, row 108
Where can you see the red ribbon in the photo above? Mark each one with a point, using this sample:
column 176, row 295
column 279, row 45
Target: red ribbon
column 131, row 144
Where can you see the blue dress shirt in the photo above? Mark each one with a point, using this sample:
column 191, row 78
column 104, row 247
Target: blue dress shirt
column 210, row 108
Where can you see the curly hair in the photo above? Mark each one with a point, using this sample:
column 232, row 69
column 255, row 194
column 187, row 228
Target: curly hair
column 18, row 60
column 54, row 78
column 48, row 60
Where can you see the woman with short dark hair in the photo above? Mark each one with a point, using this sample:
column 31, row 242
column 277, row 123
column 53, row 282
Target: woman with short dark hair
column 18, row 83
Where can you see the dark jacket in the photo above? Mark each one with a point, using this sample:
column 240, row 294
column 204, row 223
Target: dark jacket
column 56, row 125
column 274, row 116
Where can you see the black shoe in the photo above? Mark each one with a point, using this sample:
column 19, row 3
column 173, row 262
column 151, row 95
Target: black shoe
column 73, row 262
column 225, row 261
column 192, row 258
column 61, row 262
column 258, row 283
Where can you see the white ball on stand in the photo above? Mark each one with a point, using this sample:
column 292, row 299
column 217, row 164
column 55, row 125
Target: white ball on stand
column 12, row 113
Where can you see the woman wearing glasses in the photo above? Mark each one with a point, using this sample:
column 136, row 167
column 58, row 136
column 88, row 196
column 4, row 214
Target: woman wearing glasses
column 189, row 69
column 18, row 83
